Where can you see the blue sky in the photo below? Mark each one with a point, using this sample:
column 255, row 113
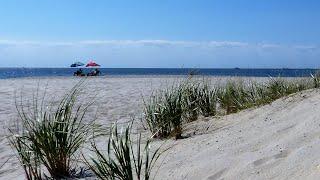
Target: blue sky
column 161, row 33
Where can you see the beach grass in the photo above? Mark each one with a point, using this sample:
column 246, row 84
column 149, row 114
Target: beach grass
column 123, row 159
column 166, row 112
column 207, row 99
column 49, row 141
column 234, row 97
column 163, row 112
column 51, row 137
column 316, row 79
column 30, row 162
column 190, row 101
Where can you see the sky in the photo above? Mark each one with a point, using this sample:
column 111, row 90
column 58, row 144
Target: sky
column 161, row 33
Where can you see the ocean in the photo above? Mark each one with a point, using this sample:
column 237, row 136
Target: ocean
column 45, row 72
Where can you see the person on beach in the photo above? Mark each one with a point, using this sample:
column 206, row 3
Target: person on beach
column 94, row 72
column 97, row 72
column 78, row 73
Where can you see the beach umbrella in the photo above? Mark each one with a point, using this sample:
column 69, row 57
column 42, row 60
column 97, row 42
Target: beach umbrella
column 92, row 64
column 76, row 64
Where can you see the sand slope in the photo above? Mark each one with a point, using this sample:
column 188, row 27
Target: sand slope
column 277, row 141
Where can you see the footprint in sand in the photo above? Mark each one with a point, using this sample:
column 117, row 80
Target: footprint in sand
column 217, row 175
column 282, row 154
column 285, row 130
column 261, row 161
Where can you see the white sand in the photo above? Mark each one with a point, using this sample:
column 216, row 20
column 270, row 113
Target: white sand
column 277, row 141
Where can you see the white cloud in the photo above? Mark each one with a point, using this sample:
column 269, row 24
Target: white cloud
column 158, row 53
column 129, row 42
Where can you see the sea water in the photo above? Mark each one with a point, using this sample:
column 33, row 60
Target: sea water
column 38, row 72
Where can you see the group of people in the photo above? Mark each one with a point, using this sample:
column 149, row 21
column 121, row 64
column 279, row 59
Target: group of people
column 94, row 72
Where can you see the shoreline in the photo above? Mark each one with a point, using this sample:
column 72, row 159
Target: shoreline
column 152, row 76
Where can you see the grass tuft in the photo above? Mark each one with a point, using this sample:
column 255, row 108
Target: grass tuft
column 123, row 160
column 190, row 101
column 51, row 137
column 316, row 79
column 234, row 97
column 163, row 113
column 207, row 100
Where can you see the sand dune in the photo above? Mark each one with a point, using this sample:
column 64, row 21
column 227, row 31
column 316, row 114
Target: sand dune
column 276, row 141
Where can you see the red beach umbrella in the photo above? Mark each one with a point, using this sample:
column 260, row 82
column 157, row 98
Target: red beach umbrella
column 92, row 64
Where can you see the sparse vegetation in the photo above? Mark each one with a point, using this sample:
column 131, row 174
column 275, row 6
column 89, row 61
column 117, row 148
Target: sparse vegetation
column 207, row 100
column 190, row 101
column 28, row 159
column 163, row 111
column 316, row 79
column 51, row 138
column 123, row 160
column 234, row 97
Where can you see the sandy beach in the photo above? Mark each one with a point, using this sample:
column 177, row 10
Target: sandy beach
column 160, row 90
column 275, row 141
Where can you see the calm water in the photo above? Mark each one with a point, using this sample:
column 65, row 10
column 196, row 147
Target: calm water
column 37, row 72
